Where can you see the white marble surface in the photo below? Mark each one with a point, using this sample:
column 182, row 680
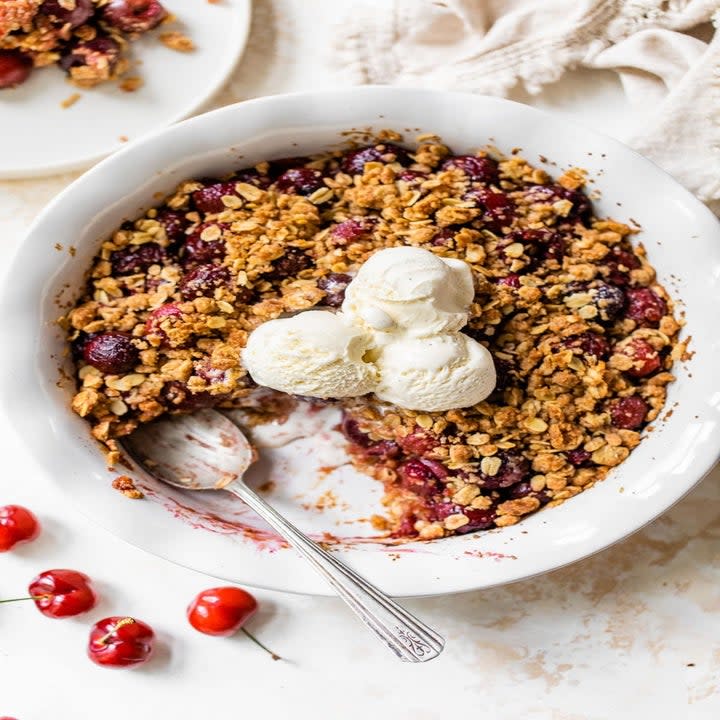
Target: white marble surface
column 629, row 633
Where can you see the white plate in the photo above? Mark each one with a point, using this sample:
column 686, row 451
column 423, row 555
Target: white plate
column 201, row 531
column 39, row 137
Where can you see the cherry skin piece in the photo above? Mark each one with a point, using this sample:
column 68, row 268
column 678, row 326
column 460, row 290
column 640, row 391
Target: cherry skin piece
column 221, row 611
column 120, row 642
column 17, row 525
column 62, row 593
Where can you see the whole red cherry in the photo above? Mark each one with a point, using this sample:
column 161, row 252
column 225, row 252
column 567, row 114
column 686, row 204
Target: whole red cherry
column 17, row 525
column 62, row 593
column 223, row 611
column 120, row 642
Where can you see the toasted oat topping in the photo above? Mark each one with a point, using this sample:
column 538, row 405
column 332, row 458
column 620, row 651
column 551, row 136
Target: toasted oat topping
column 581, row 370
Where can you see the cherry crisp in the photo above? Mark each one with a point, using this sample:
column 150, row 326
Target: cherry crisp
column 86, row 38
column 582, row 335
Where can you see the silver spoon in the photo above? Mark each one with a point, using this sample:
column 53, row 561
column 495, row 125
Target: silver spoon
column 207, row 451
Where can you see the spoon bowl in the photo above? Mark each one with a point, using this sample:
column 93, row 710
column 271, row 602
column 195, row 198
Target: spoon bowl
column 202, row 451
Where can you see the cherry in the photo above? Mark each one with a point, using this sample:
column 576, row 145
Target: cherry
column 17, row 525
column 524, row 489
column 608, row 299
column 482, row 169
column 111, row 352
column 513, row 469
column 198, row 251
column 334, row 286
column 209, row 198
column 498, row 208
column 136, row 258
column 478, row 519
column 353, row 162
column 645, row 357
column 412, row 176
column 629, row 413
column 620, row 262
column 100, row 51
column 418, row 442
column 152, row 325
column 120, row 642
column 82, row 11
column 203, row 280
column 512, row 280
column 550, row 194
column 444, row 236
column 134, row 16
column 62, row 593
column 174, row 223
column 578, row 457
column 645, row 307
column 352, row 230
column 15, row 68
column 420, row 477
column 300, row 181
column 351, row 430
column 222, row 611
column 590, row 343
column 291, row 263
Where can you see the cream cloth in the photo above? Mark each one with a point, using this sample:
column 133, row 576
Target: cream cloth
column 489, row 46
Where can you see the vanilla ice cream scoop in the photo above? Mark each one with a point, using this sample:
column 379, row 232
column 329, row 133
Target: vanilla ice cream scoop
column 315, row 353
column 410, row 290
column 397, row 336
column 435, row 374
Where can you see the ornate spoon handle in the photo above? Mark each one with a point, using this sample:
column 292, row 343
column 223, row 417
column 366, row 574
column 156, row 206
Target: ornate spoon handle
column 409, row 638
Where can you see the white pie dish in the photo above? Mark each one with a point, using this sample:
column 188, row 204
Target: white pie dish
column 683, row 242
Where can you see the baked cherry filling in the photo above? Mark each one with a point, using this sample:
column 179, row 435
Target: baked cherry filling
column 582, row 337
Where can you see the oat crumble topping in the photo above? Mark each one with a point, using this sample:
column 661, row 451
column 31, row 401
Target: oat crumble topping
column 583, row 336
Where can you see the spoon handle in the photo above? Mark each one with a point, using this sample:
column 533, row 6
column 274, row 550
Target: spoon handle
column 409, row 638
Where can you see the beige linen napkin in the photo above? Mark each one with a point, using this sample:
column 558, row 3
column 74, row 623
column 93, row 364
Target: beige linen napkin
column 490, row 46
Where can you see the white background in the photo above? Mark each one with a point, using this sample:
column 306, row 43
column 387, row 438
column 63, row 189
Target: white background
column 630, row 633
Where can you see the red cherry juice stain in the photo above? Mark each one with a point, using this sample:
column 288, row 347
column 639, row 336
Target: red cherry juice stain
column 496, row 556
column 203, row 520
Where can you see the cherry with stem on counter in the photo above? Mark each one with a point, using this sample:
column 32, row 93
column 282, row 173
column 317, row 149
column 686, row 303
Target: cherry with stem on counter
column 60, row 593
column 223, row 611
column 17, row 525
column 120, row 642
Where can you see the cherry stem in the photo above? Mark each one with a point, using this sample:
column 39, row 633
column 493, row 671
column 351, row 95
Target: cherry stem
column 30, row 597
column 118, row 625
column 259, row 644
